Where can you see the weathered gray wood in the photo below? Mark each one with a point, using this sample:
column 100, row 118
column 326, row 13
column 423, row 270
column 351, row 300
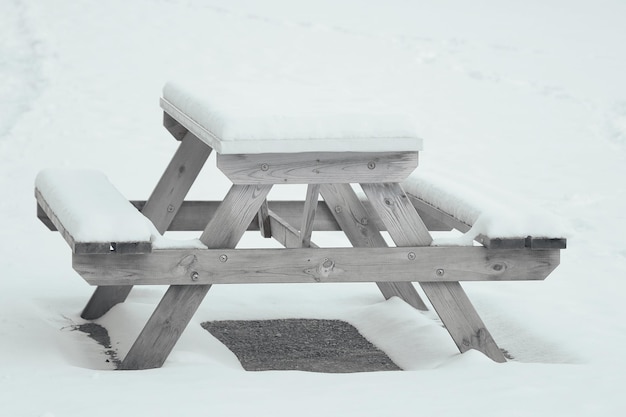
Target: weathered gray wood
column 195, row 215
column 448, row 299
column 88, row 247
column 284, row 233
column 358, row 225
column 263, row 220
column 160, row 208
column 241, row 266
column 96, row 308
column 317, row 167
column 176, row 129
column 180, row 302
column 310, row 206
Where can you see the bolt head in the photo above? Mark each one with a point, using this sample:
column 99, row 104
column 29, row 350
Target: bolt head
column 411, row 256
column 338, row 209
column 194, row 276
column 371, row 165
column 265, row 167
column 223, row 258
column 440, row 272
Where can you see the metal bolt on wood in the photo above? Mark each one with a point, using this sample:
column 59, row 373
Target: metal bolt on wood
column 170, row 208
column 371, row 164
column 388, row 201
column 440, row 272
column 411, row 256
column 338, row 209
column 194, row 276
column 364, row 221
column 223, row 258
column 265, row 167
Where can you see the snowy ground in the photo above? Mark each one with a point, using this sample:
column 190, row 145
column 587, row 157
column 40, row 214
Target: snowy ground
column 527, row 96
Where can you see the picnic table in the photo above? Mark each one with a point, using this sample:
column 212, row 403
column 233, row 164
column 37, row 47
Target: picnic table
column 117, row 243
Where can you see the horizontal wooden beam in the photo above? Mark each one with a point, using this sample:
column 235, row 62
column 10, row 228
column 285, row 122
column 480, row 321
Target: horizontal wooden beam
column 317, row 167
column 238, row 266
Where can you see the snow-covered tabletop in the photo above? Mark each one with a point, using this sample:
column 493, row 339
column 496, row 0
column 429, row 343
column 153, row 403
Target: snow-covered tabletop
column 261, row 118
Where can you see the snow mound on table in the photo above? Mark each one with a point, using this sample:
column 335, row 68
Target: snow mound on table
column 257, row 118
column 490, row 212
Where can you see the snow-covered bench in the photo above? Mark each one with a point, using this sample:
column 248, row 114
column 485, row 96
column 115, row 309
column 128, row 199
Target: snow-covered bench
column 90, row 213
column 492, row 217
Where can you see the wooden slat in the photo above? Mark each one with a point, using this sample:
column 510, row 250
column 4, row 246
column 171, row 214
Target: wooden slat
column 359, row 227
column 263, row 221
column 180, row 302
column 308, row 265
column 317, row 167
column 448, row 299
column 160, row 208
column 284, row 233
column 176, row 129
column 310, row 206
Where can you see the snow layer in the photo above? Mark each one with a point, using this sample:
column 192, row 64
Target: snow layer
column 258, row 117
column 490, row 211
column 90, row 208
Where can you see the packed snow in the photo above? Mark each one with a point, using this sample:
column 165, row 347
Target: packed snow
column 526, row 97
column 254, row 117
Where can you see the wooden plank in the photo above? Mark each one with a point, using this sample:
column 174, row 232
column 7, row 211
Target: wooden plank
column 309, row 265
column 180, row 302
column 448, row 299
column 176, row 129
column 263, row 221
column 358, row 225
column 317, row 167
column 284, row 233
column 310, row 206
column 160, row 208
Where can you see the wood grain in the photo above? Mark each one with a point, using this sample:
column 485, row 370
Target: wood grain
column 448, row 299
column 308, row 215
column 180, row 302
column 160, row 208
column 308, row 265
column 359, row 226
column 317, row 167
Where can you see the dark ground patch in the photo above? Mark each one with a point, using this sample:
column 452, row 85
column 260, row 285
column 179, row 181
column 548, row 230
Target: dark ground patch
column 101, row 336
column 330, row 346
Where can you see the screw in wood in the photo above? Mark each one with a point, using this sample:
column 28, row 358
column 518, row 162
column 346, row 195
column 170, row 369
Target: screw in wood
column 194, row 276
column 170, row 208
column 338, row 209
column 440, row 272
column 388, row 201
column 411, row 256
column 371, row 165
column 364, row 221
column 223, row 258
column 264, row 167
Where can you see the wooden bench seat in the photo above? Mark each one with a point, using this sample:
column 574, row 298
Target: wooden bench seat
column 493, row 219
column 90, row 213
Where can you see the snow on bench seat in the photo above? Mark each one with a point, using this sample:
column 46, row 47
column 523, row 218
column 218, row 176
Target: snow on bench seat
column 492, row 217
column 252, row 119
column 94, row 217
column 91, row 214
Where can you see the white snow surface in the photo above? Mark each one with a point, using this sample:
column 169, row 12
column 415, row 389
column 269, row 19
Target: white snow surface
column 90, row 208
column 491, row 211
column 526, row 97
column 255, row 117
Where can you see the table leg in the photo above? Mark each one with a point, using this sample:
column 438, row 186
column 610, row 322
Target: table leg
column 160, row 208
column 448, row 298
column 353, row 220
column 180, row 302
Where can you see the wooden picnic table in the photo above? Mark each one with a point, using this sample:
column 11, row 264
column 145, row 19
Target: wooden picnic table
column 329, row 168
